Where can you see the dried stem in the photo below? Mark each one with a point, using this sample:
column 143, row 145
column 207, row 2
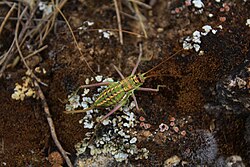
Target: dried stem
column 138, row 13
column 51, row 124
column 20, row 52
column 33, row 30
column 141, row 4
column 118, row 21
column 35, row 52
column 6, row 17
column 42, row 97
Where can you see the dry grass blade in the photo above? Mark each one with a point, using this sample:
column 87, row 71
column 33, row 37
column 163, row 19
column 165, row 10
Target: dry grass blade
column 19, row 49
column 7, row 56
column 36, row 51
column 119, row 21
column 29, row 33
column 141, row 4
column 6, row 17
column 138, row 13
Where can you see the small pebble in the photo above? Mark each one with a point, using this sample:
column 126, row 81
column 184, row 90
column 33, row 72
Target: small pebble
column 183, row 133
column 222, row 19
column 87, row 81
column 159, row 30
column 172, row 124
column 147, row 126
column 163, row 127
column 176, row 129
column 142, row 118
column 172, row 119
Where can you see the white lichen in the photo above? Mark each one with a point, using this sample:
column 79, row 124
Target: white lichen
column 194, row 41
column 46, row 8
column 121, row 156
column 198, row 3
column 133, row 140
column 105, row 34
column 248, row 23
column 98, row 78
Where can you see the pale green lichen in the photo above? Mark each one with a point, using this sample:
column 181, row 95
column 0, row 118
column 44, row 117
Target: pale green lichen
column 118, row 137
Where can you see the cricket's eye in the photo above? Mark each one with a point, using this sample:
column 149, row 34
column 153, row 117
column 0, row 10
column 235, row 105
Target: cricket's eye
column 138, row 78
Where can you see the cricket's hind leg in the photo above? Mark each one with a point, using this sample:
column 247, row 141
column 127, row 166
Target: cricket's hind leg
column 117, row 107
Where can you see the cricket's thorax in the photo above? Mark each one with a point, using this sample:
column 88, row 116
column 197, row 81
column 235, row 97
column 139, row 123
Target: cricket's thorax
column 118, row 91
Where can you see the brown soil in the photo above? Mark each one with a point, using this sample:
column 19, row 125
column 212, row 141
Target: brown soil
column 24, row 130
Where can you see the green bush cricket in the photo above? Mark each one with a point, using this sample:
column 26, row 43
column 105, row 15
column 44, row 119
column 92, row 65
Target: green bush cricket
column 117, row 93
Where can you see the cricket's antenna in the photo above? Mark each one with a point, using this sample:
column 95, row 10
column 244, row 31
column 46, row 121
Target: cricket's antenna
column 161, row 75
column 166, row 59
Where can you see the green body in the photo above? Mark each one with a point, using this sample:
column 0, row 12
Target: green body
column 119, row 92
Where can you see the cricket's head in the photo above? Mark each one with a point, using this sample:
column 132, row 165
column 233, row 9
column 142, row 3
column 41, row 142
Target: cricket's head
column 139, row 78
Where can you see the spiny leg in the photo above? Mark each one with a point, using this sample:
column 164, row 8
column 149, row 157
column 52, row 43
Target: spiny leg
column 136, row 104
column 103, row 118
column 139, row 110
column 138, row 60
column 112, row 111
column 152, row 89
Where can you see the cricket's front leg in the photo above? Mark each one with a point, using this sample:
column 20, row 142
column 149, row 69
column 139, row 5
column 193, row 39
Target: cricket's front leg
column 139, row 110
column 151, row 89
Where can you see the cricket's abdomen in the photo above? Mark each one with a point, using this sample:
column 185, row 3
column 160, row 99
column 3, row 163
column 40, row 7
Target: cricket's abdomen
column 111, row 96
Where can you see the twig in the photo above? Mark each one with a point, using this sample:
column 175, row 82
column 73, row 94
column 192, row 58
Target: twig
column 6, row 17
column 34, row 19
column 28, row 34
column 21, row 55
column 4, row 58
column 141, row 4
column 35, row 52
column 129, row 15
column 45, row 105
column 42, row 30
column 7, row 3
column 118, row 21
column 51, row 124
column 7, row 56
